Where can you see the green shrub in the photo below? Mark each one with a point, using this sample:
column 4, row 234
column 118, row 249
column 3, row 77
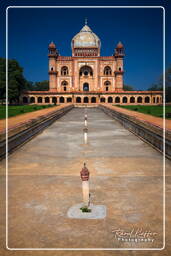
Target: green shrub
column 85, row 209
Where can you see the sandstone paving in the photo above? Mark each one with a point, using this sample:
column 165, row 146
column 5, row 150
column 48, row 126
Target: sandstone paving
column 126, row 175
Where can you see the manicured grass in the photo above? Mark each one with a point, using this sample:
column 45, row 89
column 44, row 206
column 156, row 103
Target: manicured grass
column 151, row 110
column 18, row 110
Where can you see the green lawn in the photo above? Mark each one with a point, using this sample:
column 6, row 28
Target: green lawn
column 18, row 110
column 151, row 110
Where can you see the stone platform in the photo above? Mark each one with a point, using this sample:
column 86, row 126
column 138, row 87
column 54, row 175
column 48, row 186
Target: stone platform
column 97, row 212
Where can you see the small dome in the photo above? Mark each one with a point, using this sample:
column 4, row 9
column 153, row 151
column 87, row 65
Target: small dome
column 52, row 45
column 86, row 38
column 120, row 45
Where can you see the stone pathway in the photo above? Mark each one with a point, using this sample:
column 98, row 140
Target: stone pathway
column 126, row 175
column 44, row 183
column 17, row 120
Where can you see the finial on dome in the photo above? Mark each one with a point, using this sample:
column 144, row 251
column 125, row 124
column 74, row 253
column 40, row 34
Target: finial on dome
column 86, row 21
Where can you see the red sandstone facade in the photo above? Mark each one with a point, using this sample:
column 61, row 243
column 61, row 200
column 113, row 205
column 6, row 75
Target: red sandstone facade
column 87, row 77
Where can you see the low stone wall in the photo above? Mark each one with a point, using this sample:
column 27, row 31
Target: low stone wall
column 148, row 132
column 85, row 105
column 24, row 132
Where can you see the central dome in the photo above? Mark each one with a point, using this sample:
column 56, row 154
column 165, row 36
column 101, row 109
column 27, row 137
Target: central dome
column 85, row 38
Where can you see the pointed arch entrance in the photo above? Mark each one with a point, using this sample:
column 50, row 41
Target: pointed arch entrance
column 86, row 87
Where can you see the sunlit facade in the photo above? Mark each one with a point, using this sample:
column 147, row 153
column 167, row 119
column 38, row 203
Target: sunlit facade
column 88, row 77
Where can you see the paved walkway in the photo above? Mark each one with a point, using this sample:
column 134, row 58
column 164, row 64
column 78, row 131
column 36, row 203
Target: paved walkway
column 157, row 121
column 17, row 120
column 44, row 182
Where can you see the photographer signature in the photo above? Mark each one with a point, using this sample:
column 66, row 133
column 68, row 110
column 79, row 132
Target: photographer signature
column 134, row 235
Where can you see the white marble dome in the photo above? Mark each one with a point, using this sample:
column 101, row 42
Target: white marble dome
column 85, row 38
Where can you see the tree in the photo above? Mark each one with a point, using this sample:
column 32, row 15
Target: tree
column 128, row 88
column 37, row 86
column 41, row 86
column 159, row 85
column 2, row 79
column 16, row 80
column 155, row 87
column 168, row 84
column 29, row 86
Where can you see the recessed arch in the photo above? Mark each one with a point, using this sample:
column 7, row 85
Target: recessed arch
column 69, row 100
column 86, row 71
column 139, row 99
column 124, row 99
column 54, row 100
column 102, row 100
column 64, row 83
column 110, row 99
column 107, row 83
column 39, row 100
column 86, row 87
column 78, row 100
column 147, row 99
column 47, row 100
column 117, row 99
column 132, row 99
column 86, row 100
column 93, row 100
column 107, row 70
column 64, row 71
column 61, row 99
column 32, row 100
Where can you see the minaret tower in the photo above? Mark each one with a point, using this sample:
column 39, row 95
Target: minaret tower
column 53, row 54
column 119, row 55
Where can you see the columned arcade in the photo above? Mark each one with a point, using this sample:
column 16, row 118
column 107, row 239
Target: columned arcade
column 141, row 99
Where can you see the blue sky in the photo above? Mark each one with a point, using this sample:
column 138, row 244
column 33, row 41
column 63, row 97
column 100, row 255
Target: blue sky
column 140, row 30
